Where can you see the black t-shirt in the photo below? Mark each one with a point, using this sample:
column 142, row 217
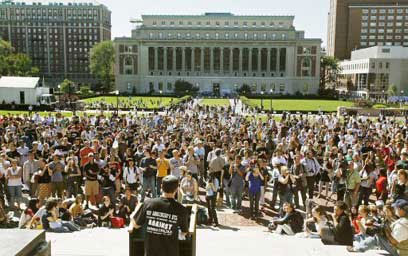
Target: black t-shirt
column 91, row 170
column 46, row 178
column 343, row 233
column 163, row 217
column 146, row 163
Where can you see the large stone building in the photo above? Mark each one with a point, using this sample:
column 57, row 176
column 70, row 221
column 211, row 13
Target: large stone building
column 217, row 52
column 355, row 24
column 56, row 35
column 370, row 72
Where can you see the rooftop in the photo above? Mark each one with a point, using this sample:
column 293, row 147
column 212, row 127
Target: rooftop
column 18, row 82
column 82, row 3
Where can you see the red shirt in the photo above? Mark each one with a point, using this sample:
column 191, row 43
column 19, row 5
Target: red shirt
column 381, row 185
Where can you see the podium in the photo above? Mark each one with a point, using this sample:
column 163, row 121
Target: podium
column 187, row 247
column 23, row 242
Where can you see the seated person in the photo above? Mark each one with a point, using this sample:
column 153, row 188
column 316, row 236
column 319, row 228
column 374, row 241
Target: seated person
column 50, row 220
column 392, row 238
column 290, row 223
column 314, row 225
column 76, row 208
column 364, row 223
column 105, row 212
column 28, row 214
column 127, row 204
column 339, row 232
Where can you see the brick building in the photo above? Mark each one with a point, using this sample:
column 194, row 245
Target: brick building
column 57, row 36
column 355, row 24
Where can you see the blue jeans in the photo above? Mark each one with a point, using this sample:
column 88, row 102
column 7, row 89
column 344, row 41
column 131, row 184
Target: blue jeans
column 236, row 196
column 372, row 242
column 66, row 227
column 149, row 183
column 15, row 194
column 227, row 192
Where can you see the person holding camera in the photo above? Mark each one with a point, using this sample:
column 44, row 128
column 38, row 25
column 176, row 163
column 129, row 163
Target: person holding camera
column 312, row 168
column 392, row 238
column 211, row 189
column 339, row 230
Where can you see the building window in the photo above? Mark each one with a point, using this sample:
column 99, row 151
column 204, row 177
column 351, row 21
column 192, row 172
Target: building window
column 365, row 11
column 364, row 24
column 169, row 86
column 226, row 24
column 282, row 88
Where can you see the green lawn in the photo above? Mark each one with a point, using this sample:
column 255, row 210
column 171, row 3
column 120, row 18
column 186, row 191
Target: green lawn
column 298, row 105
column 148, row 102
column 42, row 113
column 215, row 102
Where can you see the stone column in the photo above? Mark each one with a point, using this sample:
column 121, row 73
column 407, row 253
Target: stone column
column 250, row 60
column 192, row 58
column 241, row 50
column 211, row 60
column 278, row 60
column 202, row 59
column 268, row 60
column 183, row 59
column 165, row 59
column 174, row 58
column 222, row 60
column 231, row 60
column 156, row 59
column 259, row 59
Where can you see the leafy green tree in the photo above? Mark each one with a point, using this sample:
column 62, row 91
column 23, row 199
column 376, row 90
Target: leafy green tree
column 85, row 91
column 102, row 60
column 245, row 89
column 329, row 68
column 392, row 90
column 182, row 87
column 68, row 87
column 15, row 64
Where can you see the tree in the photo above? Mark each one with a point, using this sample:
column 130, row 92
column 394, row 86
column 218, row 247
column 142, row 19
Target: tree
column 85, row 91
column 102, row 60
column 182, row 87
column 329, row 68
column 15, row 64
column 392, row 90
column 68, row 87
column 245, row 89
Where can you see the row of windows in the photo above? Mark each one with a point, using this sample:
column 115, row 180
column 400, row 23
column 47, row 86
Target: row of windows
column 374, row 43
column 382, row 24
column 381, row 30
column 399, row 17
column 389, row 37
column 254, row 36
column 69, row 24
column 390, row 10
column 261, row 24
column 373, row 65
column 78, row 11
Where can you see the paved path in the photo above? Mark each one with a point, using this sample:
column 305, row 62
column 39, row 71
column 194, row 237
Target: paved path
column 225, row 241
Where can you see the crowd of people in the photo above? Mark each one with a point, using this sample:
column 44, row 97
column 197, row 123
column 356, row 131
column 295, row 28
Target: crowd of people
column 93, row 170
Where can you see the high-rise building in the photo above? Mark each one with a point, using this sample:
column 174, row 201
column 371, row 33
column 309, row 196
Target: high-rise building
column 218, row 53
column 57, row 36
column 355, row 24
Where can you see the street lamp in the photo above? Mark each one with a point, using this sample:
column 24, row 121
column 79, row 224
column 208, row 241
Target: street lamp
column 262, row 93
column 383, row 95
column 402, row 94
column 117, row 102
column 271, row 99
column 161, row 92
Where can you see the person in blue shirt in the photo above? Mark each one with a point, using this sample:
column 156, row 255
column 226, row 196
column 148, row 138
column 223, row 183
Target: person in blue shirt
column 211, row 189
column 255, row 179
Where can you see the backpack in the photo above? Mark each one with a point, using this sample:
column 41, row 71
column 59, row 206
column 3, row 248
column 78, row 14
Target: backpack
column 202, row 216
column 117, row 222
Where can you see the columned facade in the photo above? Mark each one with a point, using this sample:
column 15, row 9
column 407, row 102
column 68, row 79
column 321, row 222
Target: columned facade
column 219, row 58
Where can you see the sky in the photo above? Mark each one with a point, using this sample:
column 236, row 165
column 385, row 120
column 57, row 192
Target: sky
column 310, row 15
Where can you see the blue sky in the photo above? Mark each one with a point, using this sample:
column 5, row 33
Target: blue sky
column 310, row 15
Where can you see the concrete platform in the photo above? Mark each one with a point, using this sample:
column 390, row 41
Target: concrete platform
column 225, row 241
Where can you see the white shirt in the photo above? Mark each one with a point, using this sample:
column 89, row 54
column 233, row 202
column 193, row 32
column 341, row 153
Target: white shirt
column 400, row 229
column 3, row 167
column 130, row 174
column 278, row 160
column 14, row 181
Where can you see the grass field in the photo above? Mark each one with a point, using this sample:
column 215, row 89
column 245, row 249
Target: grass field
column 297, row 105
column 148, row 102
column 215, row 102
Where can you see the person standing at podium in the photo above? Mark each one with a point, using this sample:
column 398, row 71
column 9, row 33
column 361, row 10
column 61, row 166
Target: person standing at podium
column 163, row 218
